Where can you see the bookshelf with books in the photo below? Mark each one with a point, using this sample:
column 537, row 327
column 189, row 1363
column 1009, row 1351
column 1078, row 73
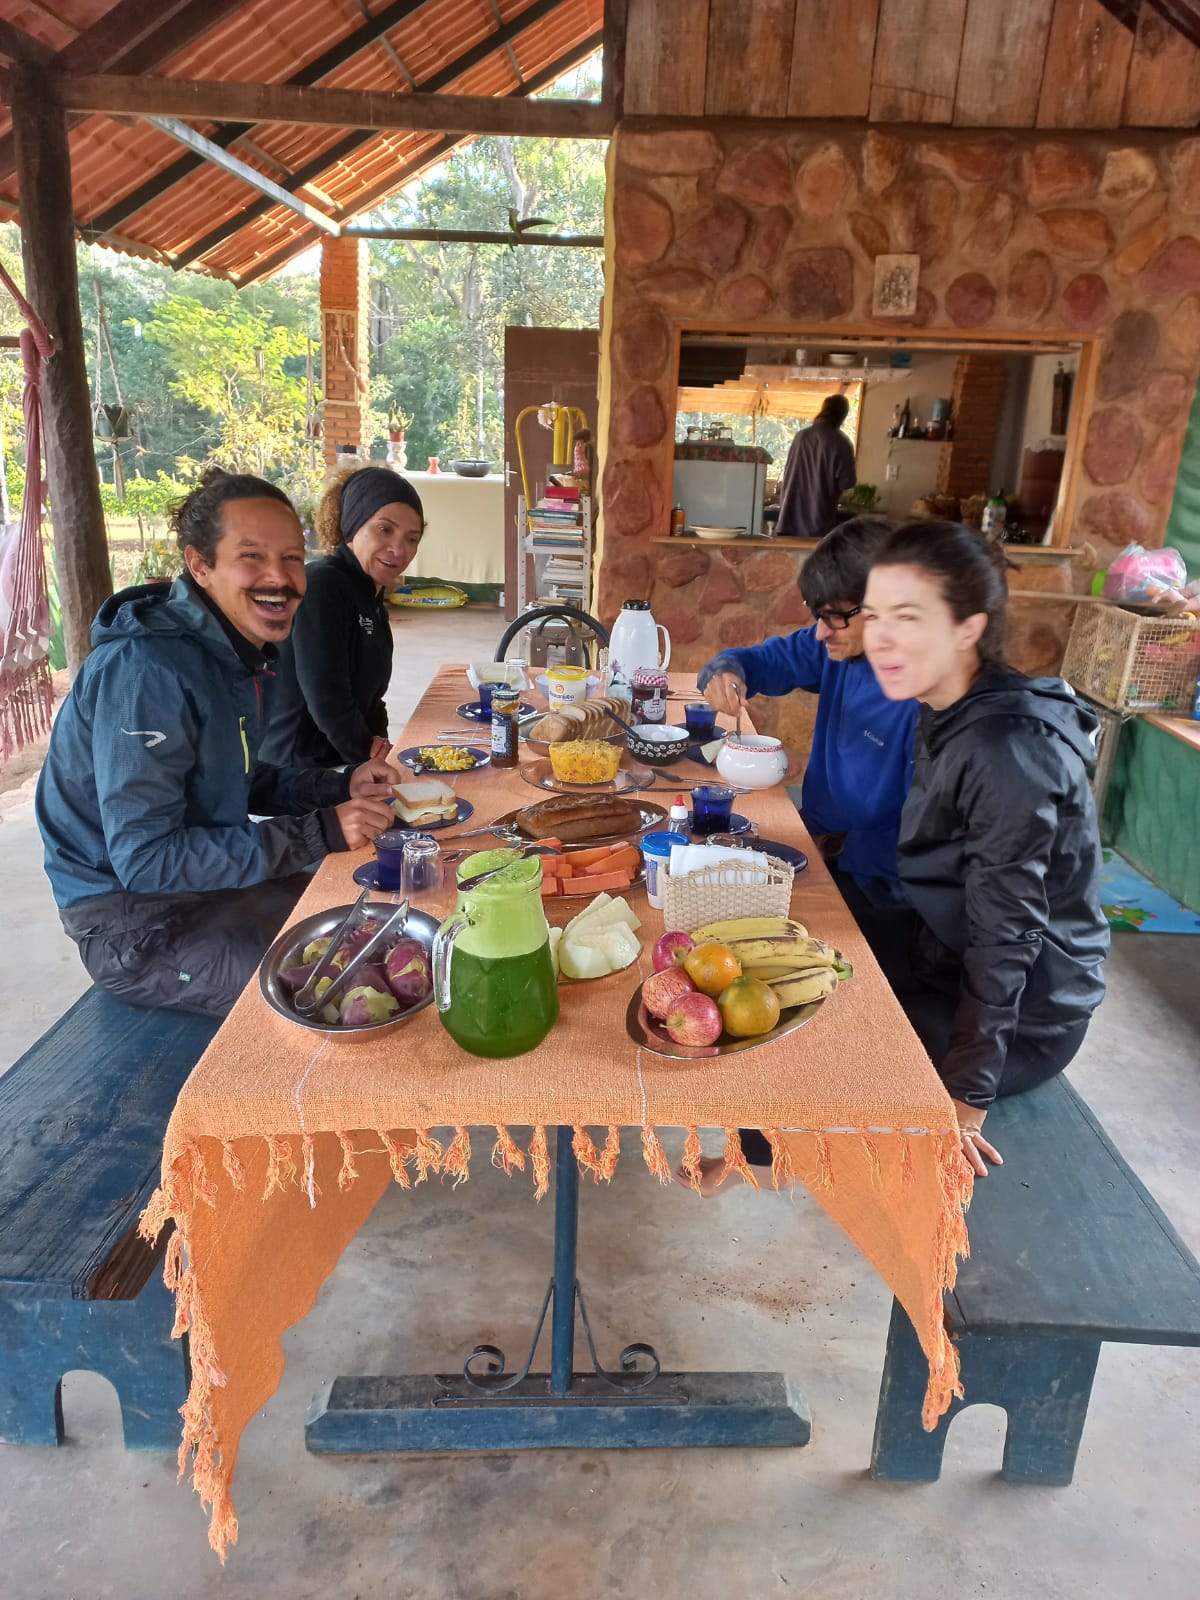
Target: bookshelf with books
column 555, row 566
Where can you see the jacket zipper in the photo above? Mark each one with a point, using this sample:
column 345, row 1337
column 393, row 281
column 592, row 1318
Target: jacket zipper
column 245, row 743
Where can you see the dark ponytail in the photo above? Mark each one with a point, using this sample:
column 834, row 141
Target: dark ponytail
column 970, row 570
column 196, row 519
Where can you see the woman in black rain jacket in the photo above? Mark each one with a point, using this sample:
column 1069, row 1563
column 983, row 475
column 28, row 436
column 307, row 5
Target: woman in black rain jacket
column 999, row 845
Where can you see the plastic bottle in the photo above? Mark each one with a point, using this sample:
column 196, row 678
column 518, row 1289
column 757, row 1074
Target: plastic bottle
column 994, row 514
column 679, row 812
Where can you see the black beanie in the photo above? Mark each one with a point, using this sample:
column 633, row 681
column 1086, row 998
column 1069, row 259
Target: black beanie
column 367, row 491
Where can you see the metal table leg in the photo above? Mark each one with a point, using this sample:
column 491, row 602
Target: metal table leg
column 487, row 1408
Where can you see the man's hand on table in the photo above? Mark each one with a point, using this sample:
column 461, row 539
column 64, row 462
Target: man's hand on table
column 974, row 1145
column 726, row 692
column 374, row 779
column 361, row 820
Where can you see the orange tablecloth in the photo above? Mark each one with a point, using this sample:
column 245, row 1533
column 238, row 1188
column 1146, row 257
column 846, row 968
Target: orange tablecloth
column 283, row 1140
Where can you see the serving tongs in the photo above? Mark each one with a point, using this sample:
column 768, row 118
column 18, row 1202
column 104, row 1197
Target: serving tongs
column 307, row 1001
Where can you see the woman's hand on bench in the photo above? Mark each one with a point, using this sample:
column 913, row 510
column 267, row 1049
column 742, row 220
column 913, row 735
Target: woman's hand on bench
column 974, row 1145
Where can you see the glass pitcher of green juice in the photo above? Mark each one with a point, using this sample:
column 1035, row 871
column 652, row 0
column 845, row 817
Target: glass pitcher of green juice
column 493, row 980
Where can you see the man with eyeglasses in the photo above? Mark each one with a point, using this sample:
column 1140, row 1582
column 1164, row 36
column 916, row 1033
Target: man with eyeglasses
column 860, row 765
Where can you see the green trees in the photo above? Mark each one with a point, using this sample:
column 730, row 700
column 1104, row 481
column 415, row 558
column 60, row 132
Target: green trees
column 210, row 372
column 243, row 375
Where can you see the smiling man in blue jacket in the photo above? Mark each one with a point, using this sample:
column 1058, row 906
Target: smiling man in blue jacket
column 860, row 766
column 174, row 854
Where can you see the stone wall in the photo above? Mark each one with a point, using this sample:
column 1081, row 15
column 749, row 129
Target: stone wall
column 760, row 226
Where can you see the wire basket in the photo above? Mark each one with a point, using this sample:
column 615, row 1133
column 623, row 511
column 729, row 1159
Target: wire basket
column 1133, row 663
column 714, row 894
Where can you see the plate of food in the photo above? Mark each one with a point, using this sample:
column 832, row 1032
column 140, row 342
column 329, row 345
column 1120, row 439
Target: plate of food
column 428, row 803
column 732, row 986
column 543, row 774
column 592, row 869
column 443, row 757
column 597, row 942
column 585, row 818
column 394, row 984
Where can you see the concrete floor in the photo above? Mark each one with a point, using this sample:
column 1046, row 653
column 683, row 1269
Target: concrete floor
column 749, row 1281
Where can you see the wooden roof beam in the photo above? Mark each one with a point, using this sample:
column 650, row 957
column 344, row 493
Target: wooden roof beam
column 382, row 188
column 337, row 55
column 570, row 241
column 182, row 134
column 18, row 45
column 377, row 110
column 134, row 35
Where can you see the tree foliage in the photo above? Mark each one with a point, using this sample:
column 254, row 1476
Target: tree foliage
column 210, row 372
column 238, row 370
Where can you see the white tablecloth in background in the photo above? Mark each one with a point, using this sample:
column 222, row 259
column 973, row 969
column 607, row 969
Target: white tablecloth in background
column 464, row 534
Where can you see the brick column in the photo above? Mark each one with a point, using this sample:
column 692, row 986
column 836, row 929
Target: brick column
column 978, row 400
column 345, row 351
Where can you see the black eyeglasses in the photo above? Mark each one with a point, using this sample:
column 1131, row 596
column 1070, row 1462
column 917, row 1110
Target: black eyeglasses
column 837, row 620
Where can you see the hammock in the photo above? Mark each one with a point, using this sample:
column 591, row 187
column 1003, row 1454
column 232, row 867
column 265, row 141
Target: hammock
column 26, row 691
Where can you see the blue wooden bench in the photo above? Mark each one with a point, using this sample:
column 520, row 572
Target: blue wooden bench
column 82, row 1118
column 1068, row 1249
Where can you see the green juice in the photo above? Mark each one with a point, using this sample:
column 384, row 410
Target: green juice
column 501, row 1007
column 503, row 998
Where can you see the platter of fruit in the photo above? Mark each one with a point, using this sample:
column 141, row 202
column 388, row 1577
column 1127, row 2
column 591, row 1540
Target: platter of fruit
column 732, row 986
column 588, row 871
column 601, row 940
column 392, row 986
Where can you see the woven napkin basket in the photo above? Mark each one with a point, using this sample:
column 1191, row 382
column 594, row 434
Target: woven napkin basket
column 714, row 895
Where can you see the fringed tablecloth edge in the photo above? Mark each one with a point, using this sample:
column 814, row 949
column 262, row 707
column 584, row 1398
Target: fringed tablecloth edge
column 187, row 1182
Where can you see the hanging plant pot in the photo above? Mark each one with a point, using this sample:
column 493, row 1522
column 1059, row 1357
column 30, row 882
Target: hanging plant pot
column 118, row 422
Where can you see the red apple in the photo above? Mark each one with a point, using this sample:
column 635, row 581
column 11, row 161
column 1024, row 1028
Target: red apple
column 670, row 950
column 694, row 1020
column 660, row 992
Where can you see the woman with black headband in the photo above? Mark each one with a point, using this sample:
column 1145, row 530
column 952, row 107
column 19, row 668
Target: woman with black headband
column 326, row 707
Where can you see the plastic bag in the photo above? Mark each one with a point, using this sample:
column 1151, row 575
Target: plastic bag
column 1147, row 577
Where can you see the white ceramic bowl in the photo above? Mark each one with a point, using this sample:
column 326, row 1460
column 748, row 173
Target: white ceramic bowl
column 752, row 761
column 491, row 672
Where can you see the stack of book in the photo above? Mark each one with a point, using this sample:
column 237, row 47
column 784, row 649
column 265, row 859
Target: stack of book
column 556, row 531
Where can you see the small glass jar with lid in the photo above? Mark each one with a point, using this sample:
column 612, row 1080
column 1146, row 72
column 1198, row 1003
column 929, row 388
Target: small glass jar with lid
column 649, row 695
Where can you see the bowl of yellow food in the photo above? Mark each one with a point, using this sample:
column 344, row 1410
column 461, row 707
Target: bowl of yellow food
column 584, row 761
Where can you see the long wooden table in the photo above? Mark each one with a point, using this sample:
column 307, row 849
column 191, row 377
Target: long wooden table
column 282, row 1141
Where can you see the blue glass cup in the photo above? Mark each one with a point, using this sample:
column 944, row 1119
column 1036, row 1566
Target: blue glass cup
column 389, row 858
column 700, row 720
column 486, row 690
column 712, row 808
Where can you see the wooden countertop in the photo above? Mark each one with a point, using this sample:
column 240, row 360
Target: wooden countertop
column 1179, row 727
column 1016, row 552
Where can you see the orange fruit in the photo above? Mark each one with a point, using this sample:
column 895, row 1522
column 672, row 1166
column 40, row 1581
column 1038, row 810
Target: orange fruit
column 712, row 968
column 748, row 1006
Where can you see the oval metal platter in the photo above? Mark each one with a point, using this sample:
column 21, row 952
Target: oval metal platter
column 648, row 1032
column 652, row 817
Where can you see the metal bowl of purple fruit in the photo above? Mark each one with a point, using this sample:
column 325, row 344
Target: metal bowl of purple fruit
column 393, row 986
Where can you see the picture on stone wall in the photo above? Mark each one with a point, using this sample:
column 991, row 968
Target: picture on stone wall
column 896, row 286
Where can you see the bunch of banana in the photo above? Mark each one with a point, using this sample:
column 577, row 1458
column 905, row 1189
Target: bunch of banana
column 782, row 953
column 747, row 928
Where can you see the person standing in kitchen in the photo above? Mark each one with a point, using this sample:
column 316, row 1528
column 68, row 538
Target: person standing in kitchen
column 820, row 468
